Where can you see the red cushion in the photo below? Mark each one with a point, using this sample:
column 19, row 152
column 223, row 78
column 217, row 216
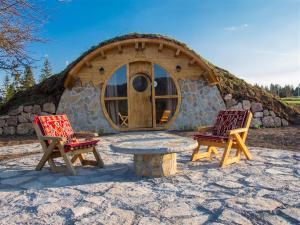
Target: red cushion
column 210, row 137
column 55, row 126
column 229, row 120
column 80, row 144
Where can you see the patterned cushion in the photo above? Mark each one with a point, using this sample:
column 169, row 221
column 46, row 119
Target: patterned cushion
column 80, row 144
column 229, row 120
column 210, row 137
column 55, row 126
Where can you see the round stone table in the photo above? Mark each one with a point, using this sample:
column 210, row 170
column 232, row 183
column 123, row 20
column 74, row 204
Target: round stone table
column 155, row 156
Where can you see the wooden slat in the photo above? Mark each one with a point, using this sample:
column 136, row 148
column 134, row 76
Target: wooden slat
column 177, row 52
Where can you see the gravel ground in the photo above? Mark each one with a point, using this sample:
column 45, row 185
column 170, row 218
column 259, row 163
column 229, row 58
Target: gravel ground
column 265, row 190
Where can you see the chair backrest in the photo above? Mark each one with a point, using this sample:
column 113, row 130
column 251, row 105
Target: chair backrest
column 165, row 116
column 229, row 120
column 55, row 126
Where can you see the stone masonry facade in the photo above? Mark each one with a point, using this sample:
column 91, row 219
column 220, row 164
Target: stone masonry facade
column 262, row 117
column 19, row 121
column 83, row 108
column 200, row 105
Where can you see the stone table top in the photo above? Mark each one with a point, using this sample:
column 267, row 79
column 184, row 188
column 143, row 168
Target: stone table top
column 158, row 143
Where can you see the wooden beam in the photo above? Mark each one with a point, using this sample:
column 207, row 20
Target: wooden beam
column 103, row 54
column 192, row 61
column 177, row 52
column 143, row 45
column 120, row 48
column 160, row 47
column 136, row 46
column 88, row 64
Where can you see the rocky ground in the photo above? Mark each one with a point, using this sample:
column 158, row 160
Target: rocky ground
column 263, row 191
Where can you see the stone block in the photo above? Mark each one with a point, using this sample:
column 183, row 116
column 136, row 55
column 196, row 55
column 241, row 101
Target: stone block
column 256, row 107
column 256, row 123
column 4, row 117
column 258, row 114
column 15, row 112
column 272, row 114
column 268, row 121
column 228, row 97
column 32, row 117
column 277, row 121
column 49, row 107
column 2, row 123
column 246, row 104
column 284, row 122
column 24, row 117
column 28, row 108
column 266, row 112
column 36, row 109
column 156, row 165
column 230, row 103
column 24, row 128
column 12, row 121
column 9, row 130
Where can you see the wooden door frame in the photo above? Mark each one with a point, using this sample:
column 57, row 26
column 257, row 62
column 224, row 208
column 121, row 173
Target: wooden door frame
column 102, row 97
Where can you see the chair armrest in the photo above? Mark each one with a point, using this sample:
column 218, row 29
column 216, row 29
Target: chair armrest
column 205, row 128
column 85, row 134
column 52, row 138
column 237, row 131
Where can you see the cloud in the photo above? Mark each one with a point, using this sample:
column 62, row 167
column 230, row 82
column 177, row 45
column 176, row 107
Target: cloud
column 236, row 28
column 64, row 1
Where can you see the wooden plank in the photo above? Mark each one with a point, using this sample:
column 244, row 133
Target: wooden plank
column 120, row 49
column 177, row 52
column 160, row 47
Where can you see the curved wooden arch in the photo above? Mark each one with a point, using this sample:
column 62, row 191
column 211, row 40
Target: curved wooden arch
column 141, row 42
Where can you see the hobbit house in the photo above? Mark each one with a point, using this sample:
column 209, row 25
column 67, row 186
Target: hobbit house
column 141, row 82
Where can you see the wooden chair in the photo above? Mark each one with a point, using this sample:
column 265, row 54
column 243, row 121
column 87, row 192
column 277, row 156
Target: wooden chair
column 229, row 132
column 124, row 120
column 58, row 140
column 165, row 117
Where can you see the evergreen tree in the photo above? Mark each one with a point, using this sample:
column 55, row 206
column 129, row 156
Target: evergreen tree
column 17, row 81
column 46, row 70
column 8, row 89
column 28, row 79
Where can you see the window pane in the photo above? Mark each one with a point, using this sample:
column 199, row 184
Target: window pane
column 117, row 84
column 165, row 109
column 163, row 83
column 118, row 112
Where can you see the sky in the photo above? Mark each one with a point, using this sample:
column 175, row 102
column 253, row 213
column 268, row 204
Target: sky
column 257, row 40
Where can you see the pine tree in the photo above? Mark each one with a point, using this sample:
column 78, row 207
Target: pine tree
column 28, row 79
column 46, row 70
column 17, row 81
column 8, row 89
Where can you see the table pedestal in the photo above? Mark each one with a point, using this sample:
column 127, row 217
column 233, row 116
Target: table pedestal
column 155, row 165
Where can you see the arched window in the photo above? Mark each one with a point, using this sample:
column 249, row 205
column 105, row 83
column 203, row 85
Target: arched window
column 116, row 97
column 166, row 98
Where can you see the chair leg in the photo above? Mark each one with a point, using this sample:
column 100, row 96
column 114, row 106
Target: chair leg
column 226, row 154
column 200, row 155
column 68, row 162
column 43, row 160
column 243, row 147
column 98, row 158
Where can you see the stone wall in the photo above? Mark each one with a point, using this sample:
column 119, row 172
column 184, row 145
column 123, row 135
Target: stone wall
column 19, row 121
column 262, row 116
column 83, row 108
column 200, row 105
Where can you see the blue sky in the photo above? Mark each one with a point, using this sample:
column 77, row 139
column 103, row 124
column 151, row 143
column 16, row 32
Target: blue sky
column 257, row 40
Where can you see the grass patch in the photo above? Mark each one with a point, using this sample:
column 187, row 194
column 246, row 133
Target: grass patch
column 291, row 100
